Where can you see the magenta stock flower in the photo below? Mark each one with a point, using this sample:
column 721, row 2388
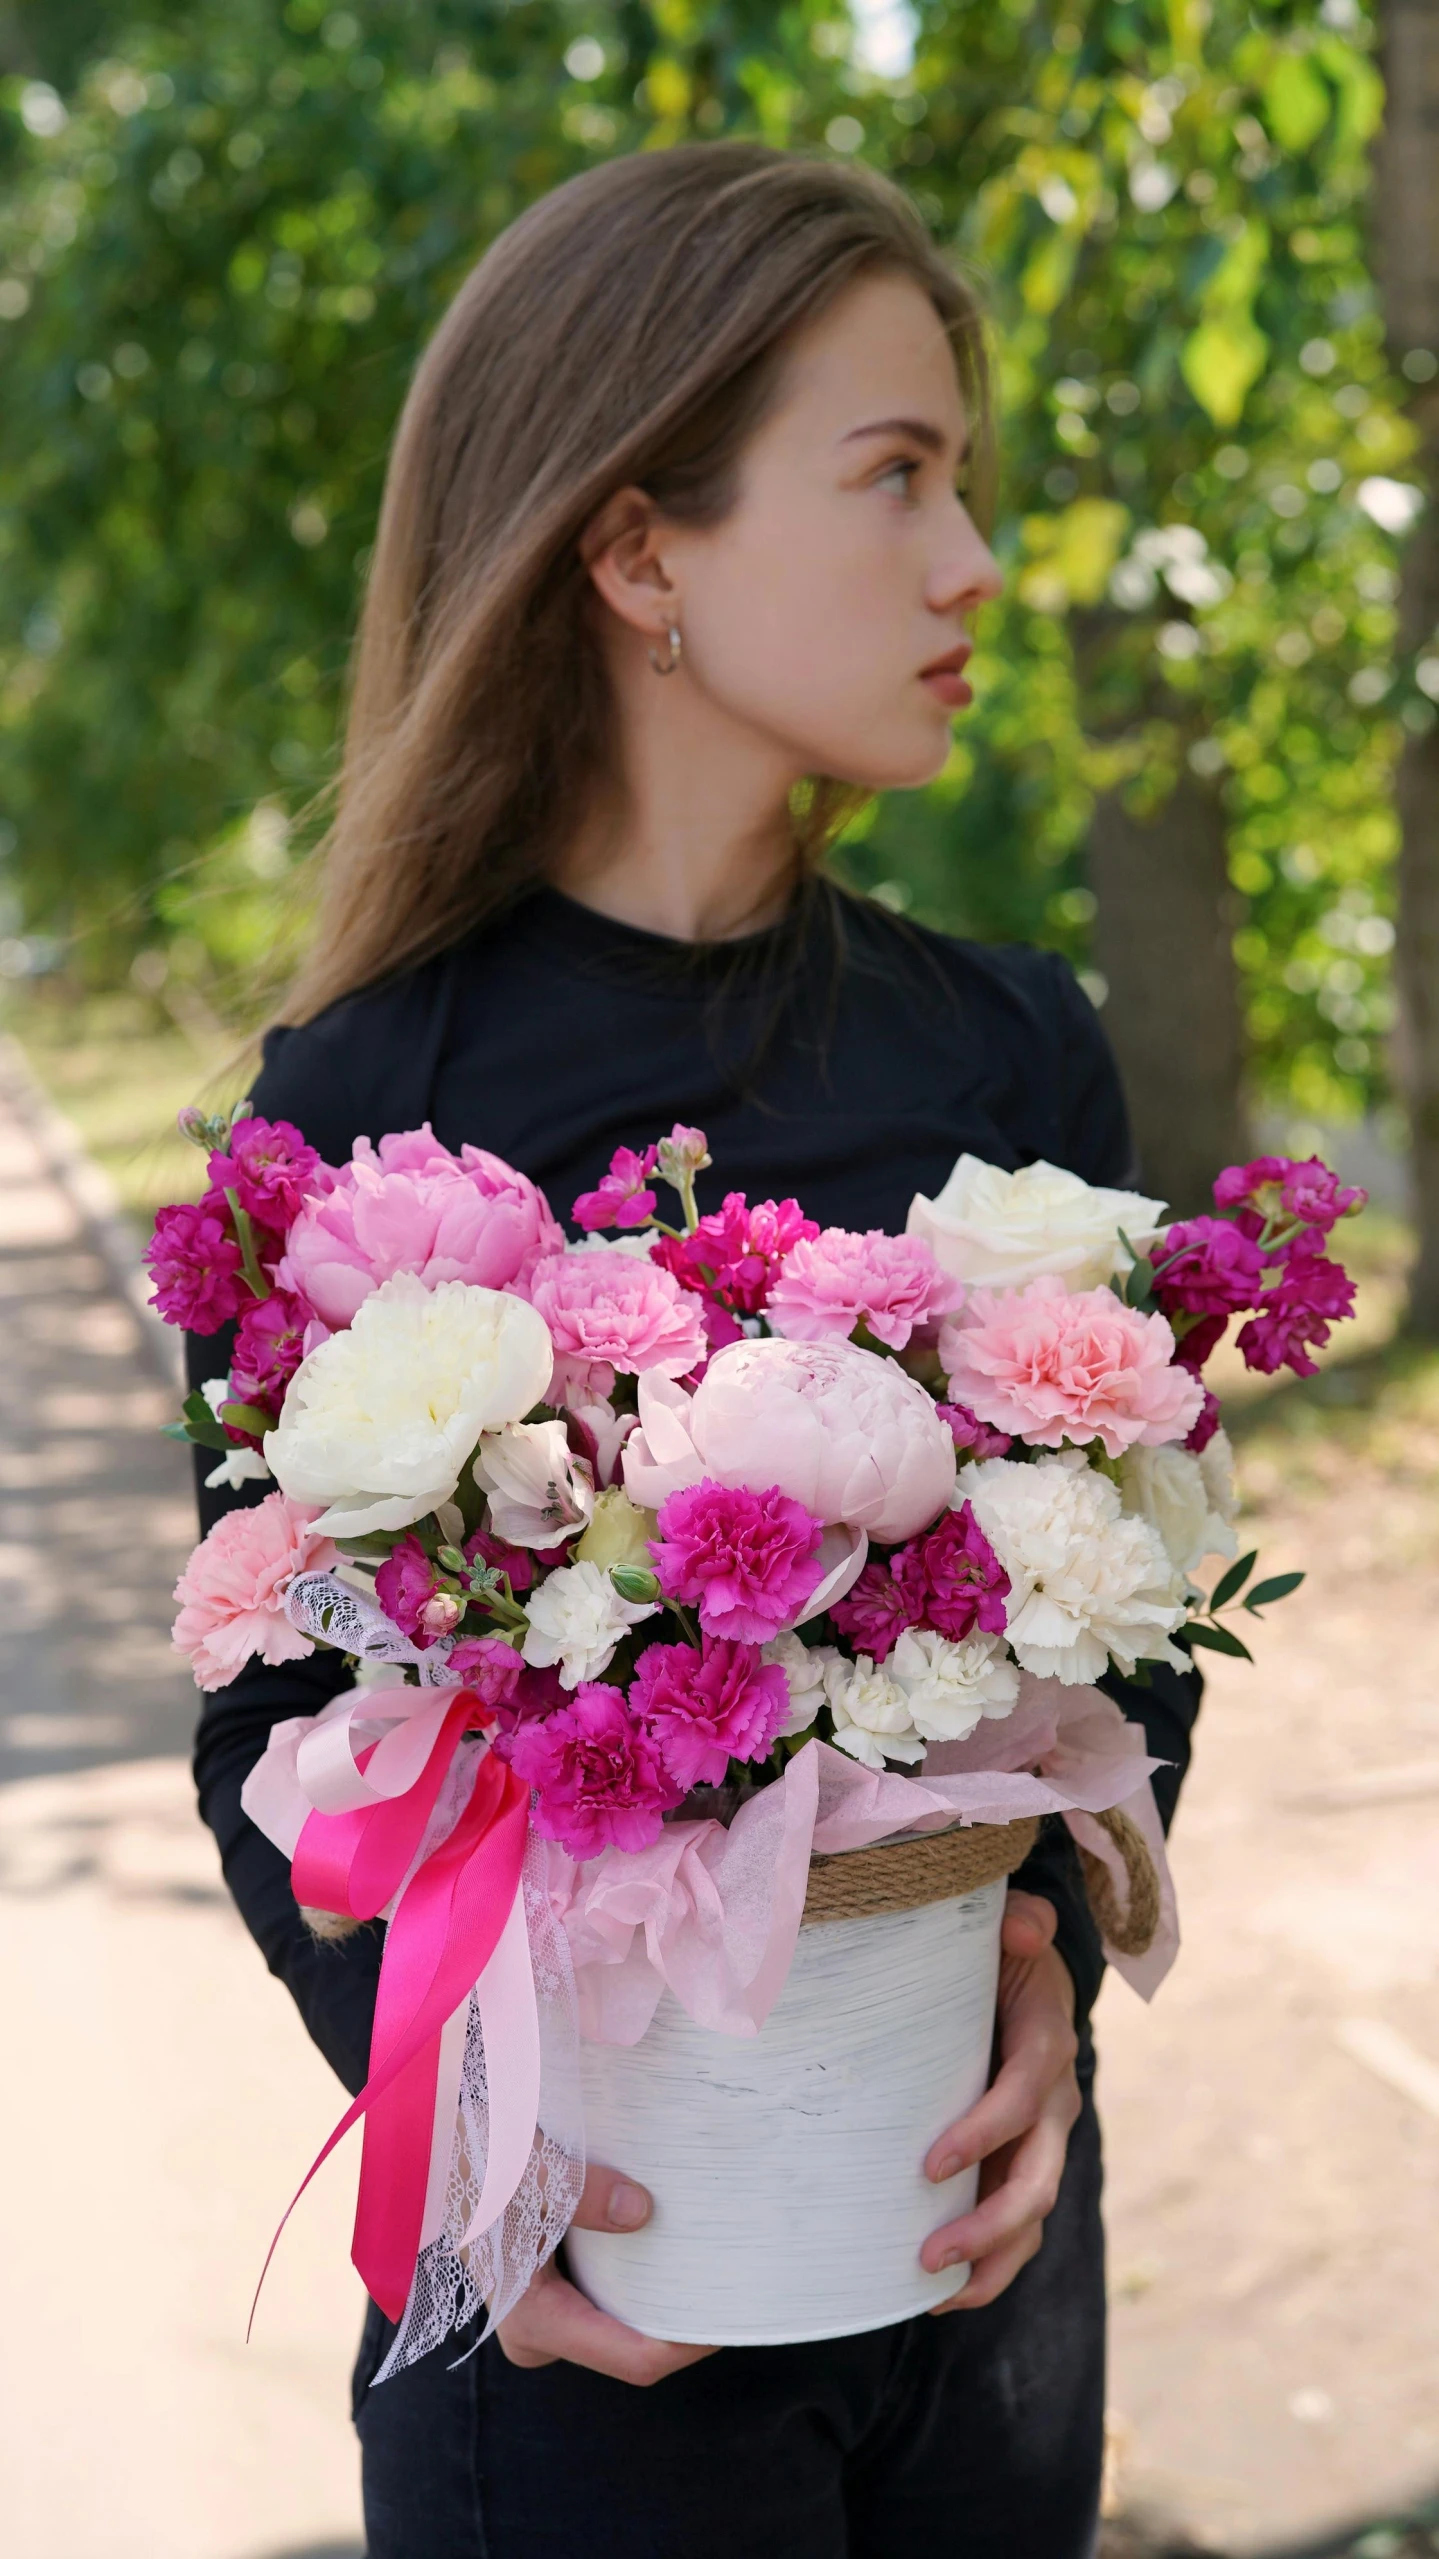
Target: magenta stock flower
column 829, row 1283
column 404, row 1585
column 748, row 1561
column 1207, row 1266
column 952, row 1578
column 1279, row 1186
column 492, row 1668
column 268, row 1166
column 1312, row 1192
column 708, row 1708
column 598, row 1774
column 875, row 1613
column 972, row 1437
column 1050, row 1365
column 196, row 1266
column 482, row 1548
column 736, row 1251
column 413, row 1206
column 609, row 1313
column 1310, row 1294
column 622, row 1198
column 1207, row 1424
column 269, row 1346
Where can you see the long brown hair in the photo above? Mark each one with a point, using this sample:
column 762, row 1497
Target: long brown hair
column 630, row 328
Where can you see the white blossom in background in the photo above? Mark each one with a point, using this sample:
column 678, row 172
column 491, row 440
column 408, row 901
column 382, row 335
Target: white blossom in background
column 949, row 1686
column 576, row 1619
column 238, row 1465
column 1189, row 1499
column 871, row 1713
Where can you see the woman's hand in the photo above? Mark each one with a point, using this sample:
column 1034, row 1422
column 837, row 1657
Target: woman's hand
column 1020, row 2129
column 552, row 2322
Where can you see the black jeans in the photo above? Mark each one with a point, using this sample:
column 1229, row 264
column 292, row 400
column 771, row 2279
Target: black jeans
column 975, row 2436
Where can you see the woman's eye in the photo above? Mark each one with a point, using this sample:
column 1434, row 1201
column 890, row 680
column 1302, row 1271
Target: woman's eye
column 898, row 476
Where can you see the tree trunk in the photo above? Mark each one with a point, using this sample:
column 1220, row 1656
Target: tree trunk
column 1162, row 942
column 1407, row 207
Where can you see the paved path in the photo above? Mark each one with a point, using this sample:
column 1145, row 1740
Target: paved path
column 1272, row 2122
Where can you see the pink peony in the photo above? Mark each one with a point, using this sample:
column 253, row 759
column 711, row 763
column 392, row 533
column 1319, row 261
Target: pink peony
column 839, row 1429
column 971, row 1436
column 415, row 1207
column 196, row 1266
column 404, row 1586
column 232, row 1591
column 829, row 1283
column 268, row 1166
column 1310, row 1295
column 952, row 1578
column 598, row 1775
column 736, row 1252
column 708, row 1708
column 269, row 1346
column 1207, row 1266
column 876, row 1613
column 747, row 1560
column 622, row 1198
column 1049, row 1366
column 608, row 1312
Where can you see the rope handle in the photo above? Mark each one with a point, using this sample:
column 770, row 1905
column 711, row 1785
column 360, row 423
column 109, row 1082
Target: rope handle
column 1130, row 1931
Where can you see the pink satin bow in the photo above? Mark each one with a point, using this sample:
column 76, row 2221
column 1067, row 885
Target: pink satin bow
column 458, row 1926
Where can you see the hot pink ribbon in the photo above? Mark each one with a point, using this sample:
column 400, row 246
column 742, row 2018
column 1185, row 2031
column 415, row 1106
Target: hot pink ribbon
column 458, row 1926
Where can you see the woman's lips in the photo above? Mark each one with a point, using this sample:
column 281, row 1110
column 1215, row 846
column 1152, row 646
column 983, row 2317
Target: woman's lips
column 945, row 680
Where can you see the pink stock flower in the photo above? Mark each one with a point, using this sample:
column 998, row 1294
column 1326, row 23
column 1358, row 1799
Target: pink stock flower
column 404, row 1585
column 829, row 1283
column 607, row 1312
column 598, row 1775
column 1310, row 1295
column 1207, row 1424
column 1049, row 1366
column 707, row 1708
column 748, row 1561
column 482, row 1548
column 622, row 1198
column 232, row 1591
column 876, row 1612
column 735, row 1252
column 269, row 1346
column 972, row 1437
column 952, row 1578
column 1312, row 1192
column 1209, row 1267
column 196, row 1266
column 414, row 1206
column 685, row 1152
column 491, row 1667
column 268, row 1166
column 1279, row 1186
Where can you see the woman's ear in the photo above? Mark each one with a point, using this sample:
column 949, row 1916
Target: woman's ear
column 621, row 549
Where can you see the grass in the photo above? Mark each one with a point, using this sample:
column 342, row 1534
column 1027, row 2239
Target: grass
column 121, row 1075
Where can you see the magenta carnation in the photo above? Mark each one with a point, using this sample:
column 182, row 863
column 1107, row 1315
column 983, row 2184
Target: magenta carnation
column 608, row 1312
column 598, row 1775
column 972, row 1437
column 1207, row 1266
column 952, row 1578
column 269, row 1346
column 735, row 1252
column 232, row 1591
column 196, row 1266
column 876, row 1612
column 268, row 1166
column 708, row 1708
column 829, row 1283
column 622, row 1198
column 1309, row 1295
column 1049, row 1364
column 748, row 1561
column 413, row 1206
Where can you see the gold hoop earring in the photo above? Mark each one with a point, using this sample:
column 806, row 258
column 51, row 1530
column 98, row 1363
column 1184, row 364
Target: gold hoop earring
column 666, row 666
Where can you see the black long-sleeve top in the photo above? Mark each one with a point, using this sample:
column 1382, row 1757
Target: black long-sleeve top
column 844, row 1056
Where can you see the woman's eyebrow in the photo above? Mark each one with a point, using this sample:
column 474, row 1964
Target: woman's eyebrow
column 920, row 430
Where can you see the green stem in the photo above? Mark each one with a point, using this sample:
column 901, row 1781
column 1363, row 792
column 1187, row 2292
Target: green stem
column 255, row 1279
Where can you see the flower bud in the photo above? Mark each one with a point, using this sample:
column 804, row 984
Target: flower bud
column 441, row 1613
column 683, row 1153
column 632, row 1583
column 453, row 1560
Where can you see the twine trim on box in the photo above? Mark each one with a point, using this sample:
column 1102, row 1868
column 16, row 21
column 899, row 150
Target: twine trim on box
column 906, row 1874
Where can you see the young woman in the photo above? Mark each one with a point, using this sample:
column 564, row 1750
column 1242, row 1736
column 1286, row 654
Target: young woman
column 679, row 553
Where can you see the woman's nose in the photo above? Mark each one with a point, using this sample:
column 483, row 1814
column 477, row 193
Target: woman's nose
column 968, row 573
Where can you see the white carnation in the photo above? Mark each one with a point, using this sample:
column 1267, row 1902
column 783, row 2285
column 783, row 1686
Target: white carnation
column 1191, row 1504
column 379, row 1420
column 950, row 1685
column 997, row 1230
column 871, row 1713
column 577, row 1617
column 804, row 1666
column 1088, row 1585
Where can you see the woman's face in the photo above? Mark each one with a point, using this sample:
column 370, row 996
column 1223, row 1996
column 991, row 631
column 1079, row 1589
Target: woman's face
column 828, row 612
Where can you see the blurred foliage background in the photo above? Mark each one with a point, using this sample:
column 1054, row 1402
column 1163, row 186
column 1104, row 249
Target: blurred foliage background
column 227, row 227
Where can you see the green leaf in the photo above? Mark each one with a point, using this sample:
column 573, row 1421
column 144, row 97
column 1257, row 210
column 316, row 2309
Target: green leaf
column 247, row 1417
column 1230, row 1583
column 1296, row 102
column 1279, row 1588
column 1218, row 1639
column 198, row 1425
column 1221, row 361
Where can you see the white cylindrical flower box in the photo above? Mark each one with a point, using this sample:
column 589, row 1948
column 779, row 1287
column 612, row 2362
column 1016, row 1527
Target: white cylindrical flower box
column 787, row 2168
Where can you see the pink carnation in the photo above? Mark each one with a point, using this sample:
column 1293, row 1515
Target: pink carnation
column 196, row 1266
column 232, row 1591
column 598, row 1775
column 952, row 1578
column 414, row 1206
column 1310, row 1295
column 748, row 1561
column 831, row 1282
column 708, row 1708
column 269, row 1346
column 268, row 1166
column 622, row 1198
column 736, row 1252
column 608, row 1312
column 1050, row 1366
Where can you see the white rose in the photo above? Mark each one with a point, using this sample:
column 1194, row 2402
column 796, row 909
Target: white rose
column 804, row 1666
column 1089, row 1587
column 577, row 1617
column 997, row 1230
column 538, row 1490
column 379, row 1420
column 1216, row 1465
column 1168, row 1487
column 950, row 1685
column 871, row 1713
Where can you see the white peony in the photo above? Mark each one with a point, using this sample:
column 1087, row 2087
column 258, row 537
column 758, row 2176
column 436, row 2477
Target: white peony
column 950, row 1685
column 577, row 1617
column 538, row 1491
column 871, row 1713
column 379, row 1420
column 1088, row 1585
column 997, row 1230
column 804, row 1667
column 1189, row 1499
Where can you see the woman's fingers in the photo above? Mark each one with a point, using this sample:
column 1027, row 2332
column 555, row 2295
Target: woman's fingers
column 1039, row 2045
column 611, row 2201
column 1023, row 2195
column 554, row 2323
column 991, row 2276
